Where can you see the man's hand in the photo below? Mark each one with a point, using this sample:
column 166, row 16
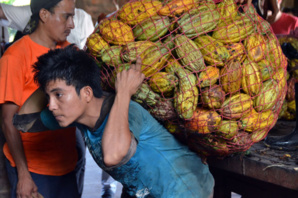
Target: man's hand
column 248, row 2
column 128, row 81
column 269, row 5
column 26, row 188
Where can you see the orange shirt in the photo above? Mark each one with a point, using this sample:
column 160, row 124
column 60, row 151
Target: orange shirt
column 50, row 152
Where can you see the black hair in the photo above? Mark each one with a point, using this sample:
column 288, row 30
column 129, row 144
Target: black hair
column 74, row 66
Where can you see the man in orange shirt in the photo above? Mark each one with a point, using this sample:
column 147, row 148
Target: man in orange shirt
column 40, row 162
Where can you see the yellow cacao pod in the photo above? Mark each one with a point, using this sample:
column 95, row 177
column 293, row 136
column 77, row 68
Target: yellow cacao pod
column 153, row 60
column 266, row 120
column 274, row 52
column 187, row 95
column 132, row 50
column 283, row 110
column 214, row 52
column 230, row 77
column 251, row 78
column 116, row 32
column 213, row 97
column 227, row 9
column 258, row 135
column 235, row 106
column 267, row 97
column 227, row 129
column 265, row 69
column 189, row 54
column 233, row 31
column 163, row 82
column 135, row 12
column 111, row 55
column 255, row 46
column 249, row 121
column 236, row 51
column 280, row 77
column 152, row 28
column 203, row 121
column 198, row 21
column 208, row 77
column 96, row 43
column 177, row 7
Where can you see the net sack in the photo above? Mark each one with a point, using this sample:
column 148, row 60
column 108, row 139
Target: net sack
column 215, row 76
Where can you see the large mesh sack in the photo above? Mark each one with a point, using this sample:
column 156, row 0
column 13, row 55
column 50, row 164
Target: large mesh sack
column 215, row 76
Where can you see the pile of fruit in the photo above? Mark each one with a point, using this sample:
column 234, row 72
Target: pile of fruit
column 289, row 46
column 215, row 76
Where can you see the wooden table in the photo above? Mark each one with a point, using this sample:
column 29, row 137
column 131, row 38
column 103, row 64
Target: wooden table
column 263, row 172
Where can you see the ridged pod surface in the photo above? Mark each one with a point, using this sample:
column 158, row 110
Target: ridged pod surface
column 267, row 97
column 208, row 77
column 177, row 7
column 189, row 54
column 255, row 46
column 116, row 32
column 96, row 43
column 230, row 77
column 227, row 129
column 214, row 52
column 234, row 30
column 152, row 28
column 134, row 12
column 111, row 55
column 130, row 51
column 236, row 106
column 251, row 78
column 199, row 21
column 213, row 97
column 203, row 121
column 163, row 82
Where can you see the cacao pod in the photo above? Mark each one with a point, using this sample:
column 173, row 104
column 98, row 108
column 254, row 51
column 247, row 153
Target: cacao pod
column 163, row 110
column 96, row 43
column 291, row 89
column 213, row 97
column 283, row 110
column 235, row 106
column 135, row 12
column 273, row 51
column 214, row 52
column 132, row 50
column 146, row 96
column 259, row 135
column 227, row 9
column 251, row 78
column 203, row 121
column 208, row 77
column 198, row 21
column 116, row 32
column 267, row 97
column 111, row 55
column 255, row 46
column 189, row 54
column 265, row 69
column 163, row 83
column 249, row 121
column 152, row 28
column 230, row 77
column 227, row 129
column 177, row 7
column 292, row 106
column 236, row 51
column 234, row 30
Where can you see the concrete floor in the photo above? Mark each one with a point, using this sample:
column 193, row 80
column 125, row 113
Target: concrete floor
column 92, row 183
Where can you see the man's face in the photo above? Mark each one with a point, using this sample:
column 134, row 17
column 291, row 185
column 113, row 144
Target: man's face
column 64, row 102
column 60, row 21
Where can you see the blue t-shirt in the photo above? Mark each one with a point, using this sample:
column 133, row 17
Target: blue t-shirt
column 161, row 166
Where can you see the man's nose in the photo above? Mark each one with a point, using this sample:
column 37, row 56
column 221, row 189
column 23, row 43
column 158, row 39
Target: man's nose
column 52, row 105
column 70, row 23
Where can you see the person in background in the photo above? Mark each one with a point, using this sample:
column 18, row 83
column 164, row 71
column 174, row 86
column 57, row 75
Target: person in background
column 43, row 162
column 16, row 17
column 281, row 23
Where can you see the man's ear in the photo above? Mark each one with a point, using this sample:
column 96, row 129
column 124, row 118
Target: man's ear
column 87, row 93
column 44, row 14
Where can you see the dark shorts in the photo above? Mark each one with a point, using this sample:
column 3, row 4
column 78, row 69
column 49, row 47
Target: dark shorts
column 49, row 186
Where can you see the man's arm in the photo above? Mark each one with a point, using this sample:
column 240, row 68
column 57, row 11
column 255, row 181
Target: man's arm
column 26, row 186
column 117, row 136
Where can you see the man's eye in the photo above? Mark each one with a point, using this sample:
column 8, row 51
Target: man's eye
column 59, row 95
